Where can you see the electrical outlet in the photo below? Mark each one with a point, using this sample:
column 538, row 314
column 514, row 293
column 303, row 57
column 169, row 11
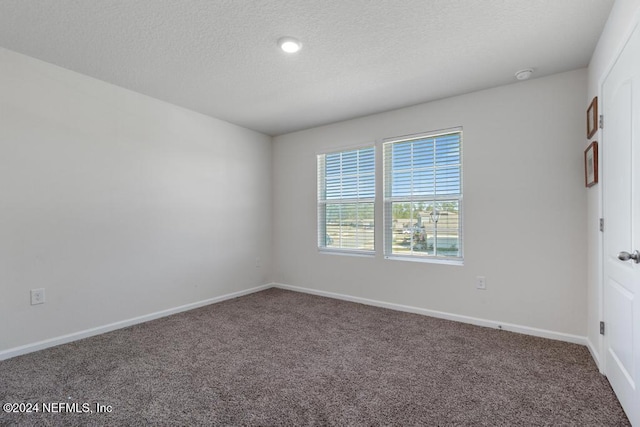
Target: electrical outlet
column 258, row 262
column 37, row 296
column 481, row 283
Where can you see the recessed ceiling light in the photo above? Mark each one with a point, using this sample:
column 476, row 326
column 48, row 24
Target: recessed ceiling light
column 524, row 74
column 289, row 44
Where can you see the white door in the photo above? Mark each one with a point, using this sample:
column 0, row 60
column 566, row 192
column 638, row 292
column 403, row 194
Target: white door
column 621, row 207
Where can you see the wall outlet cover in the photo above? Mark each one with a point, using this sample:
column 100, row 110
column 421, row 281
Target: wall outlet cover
column 37, row 296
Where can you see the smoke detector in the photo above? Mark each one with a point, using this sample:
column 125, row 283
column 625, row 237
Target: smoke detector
column 524, row 74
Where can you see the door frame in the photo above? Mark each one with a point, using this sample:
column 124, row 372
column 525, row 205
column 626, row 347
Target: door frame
column 634, row 24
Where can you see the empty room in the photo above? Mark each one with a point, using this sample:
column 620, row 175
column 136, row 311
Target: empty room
column 349, row 213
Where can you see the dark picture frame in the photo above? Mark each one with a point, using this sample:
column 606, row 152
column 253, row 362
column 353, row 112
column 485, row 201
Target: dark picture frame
column 592, row 118
column 591, row 165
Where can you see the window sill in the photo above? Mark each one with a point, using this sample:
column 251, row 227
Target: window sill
column 426, row 260
column 364, row 254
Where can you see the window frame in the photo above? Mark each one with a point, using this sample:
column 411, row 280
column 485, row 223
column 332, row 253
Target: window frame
column 323, row 202
column 388, row 200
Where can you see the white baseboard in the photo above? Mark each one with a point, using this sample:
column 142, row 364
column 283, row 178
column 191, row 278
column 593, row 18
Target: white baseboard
column 63, row 339
column 595, row 354
column 29, row 348
column 543, row 333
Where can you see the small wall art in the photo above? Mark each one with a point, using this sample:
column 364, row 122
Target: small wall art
column 592, row 118
column 591, row 165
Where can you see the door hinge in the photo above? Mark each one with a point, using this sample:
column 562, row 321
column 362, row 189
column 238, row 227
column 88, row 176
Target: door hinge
column 601, row 224
column 601, row 121
column 601, row 328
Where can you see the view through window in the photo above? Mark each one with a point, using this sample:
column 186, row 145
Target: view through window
column 423, row 196
column 346, row 196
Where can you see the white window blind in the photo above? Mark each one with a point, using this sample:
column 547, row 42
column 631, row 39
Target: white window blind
column 346, row 197
column 423, row 196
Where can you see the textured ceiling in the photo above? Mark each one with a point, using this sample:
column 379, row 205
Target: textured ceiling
column 220, row 57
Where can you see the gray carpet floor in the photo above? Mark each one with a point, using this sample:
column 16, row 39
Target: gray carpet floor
column 285, row 358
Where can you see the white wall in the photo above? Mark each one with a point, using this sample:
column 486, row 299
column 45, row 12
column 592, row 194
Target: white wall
column 624, row 15
column 524, row 208
column 118, row 204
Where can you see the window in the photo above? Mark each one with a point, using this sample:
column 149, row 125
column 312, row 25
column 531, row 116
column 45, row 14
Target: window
column 346, row 196
column 423, row 196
